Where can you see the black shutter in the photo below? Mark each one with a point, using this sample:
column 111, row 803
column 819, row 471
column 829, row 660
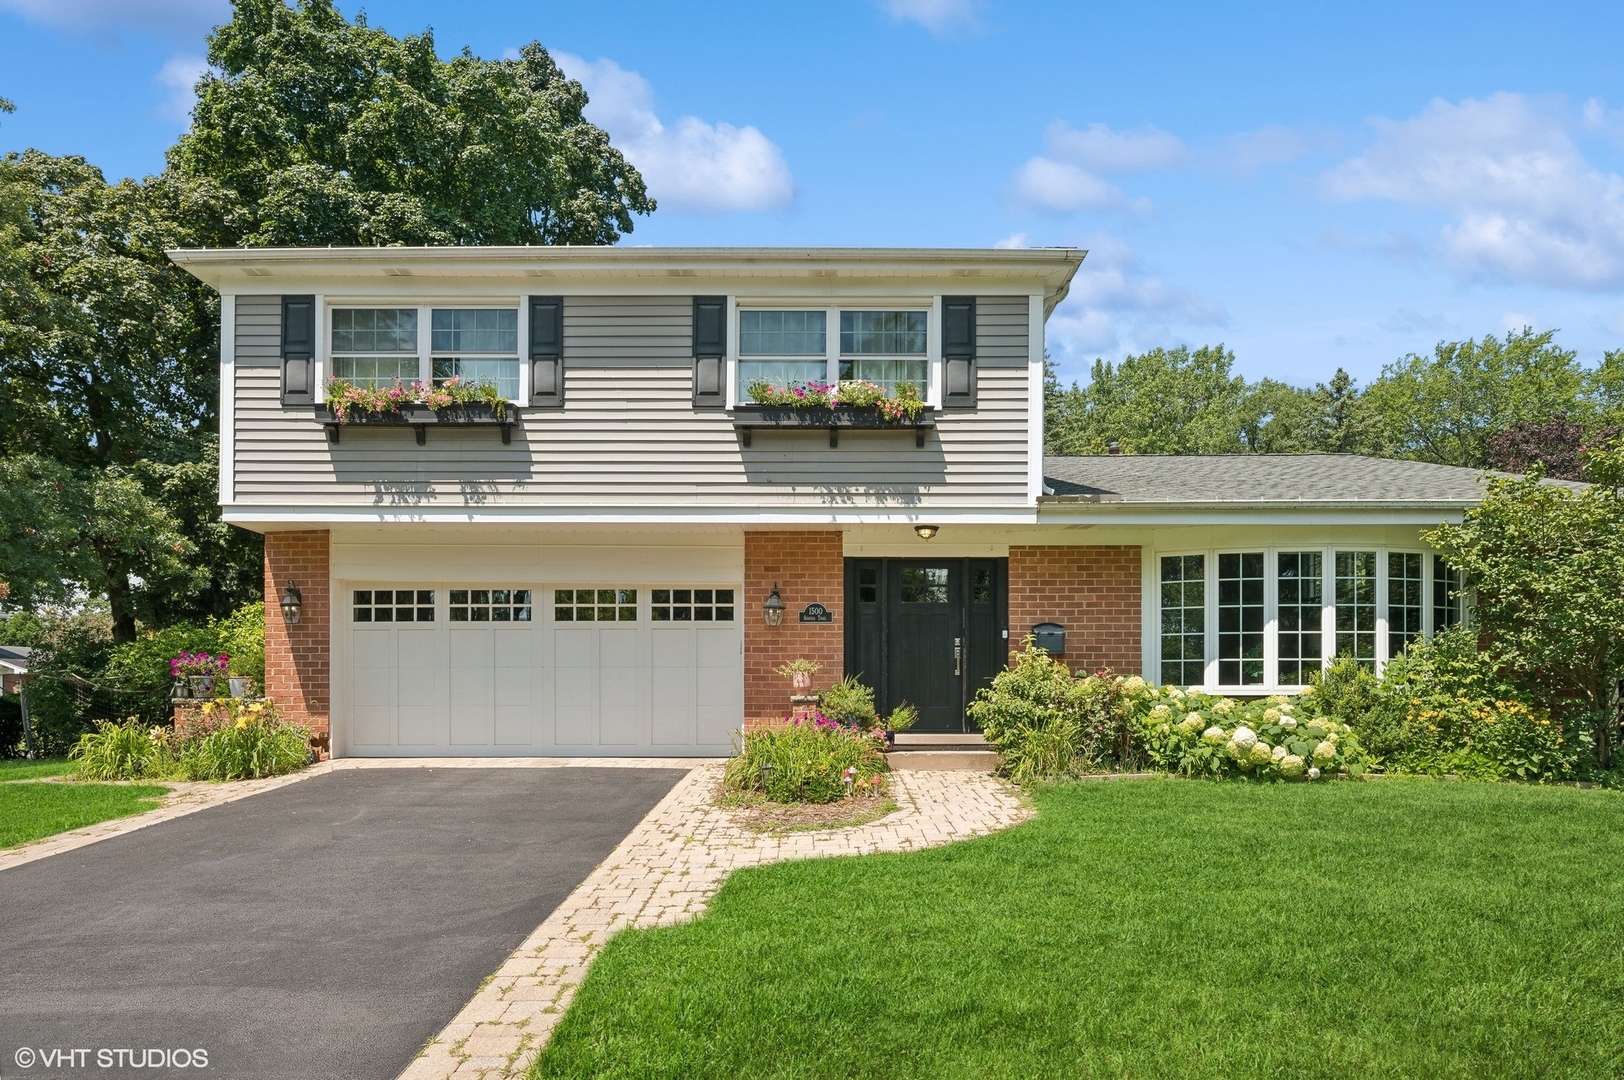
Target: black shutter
column 547, row 351
column 298, row 350
column 958, row 352
column 710, row 351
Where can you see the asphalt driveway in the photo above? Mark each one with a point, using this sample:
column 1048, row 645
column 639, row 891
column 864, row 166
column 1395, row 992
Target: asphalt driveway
column 325, row 929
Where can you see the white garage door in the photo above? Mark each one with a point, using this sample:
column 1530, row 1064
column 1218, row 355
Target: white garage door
column 511, row 668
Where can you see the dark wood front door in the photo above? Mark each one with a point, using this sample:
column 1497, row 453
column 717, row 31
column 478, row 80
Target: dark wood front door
column 929, row 632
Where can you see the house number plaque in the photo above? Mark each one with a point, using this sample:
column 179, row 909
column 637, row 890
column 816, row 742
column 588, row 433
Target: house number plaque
column 815, row 612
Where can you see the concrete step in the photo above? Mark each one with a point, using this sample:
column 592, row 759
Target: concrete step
column 944, row 760
column 967, row 739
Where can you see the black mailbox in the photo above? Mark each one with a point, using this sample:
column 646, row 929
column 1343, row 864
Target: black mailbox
column 1050, row 636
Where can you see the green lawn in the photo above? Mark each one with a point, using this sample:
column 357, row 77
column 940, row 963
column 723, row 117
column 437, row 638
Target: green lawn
column 31, row 811
column 1164, row 928
column 23, row 769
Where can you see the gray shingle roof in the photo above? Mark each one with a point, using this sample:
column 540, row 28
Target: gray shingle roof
column 1252, row 479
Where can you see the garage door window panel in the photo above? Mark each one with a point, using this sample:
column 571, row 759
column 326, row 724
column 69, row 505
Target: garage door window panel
column 691, row 605
column 594, row 605
column 490, row 606
column 392, row 605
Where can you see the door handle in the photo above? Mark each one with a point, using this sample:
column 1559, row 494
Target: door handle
column 958, row 656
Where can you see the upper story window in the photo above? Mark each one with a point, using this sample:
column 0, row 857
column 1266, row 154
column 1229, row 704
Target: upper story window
column 884, row 347
column 785, row 348
column 375, row 347
column 477, row 344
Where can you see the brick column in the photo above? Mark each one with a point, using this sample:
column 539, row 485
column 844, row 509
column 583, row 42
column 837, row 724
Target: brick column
column 1093, row 591
column 298, row 658
column 807, row 565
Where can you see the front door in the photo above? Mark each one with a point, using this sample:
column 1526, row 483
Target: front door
column 929, row 632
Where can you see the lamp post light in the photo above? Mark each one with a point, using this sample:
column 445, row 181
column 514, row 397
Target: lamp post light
column 292, row 603
column 773, row 609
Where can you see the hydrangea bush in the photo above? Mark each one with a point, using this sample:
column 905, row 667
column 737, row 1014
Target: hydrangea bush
column 1273, row 738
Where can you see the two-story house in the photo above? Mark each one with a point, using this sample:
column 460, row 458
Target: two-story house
column 619, row 566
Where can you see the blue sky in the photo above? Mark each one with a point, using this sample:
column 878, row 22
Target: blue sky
column 1314, row 185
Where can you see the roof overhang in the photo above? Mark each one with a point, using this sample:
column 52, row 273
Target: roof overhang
column 1049, row 270
column 1113, row 510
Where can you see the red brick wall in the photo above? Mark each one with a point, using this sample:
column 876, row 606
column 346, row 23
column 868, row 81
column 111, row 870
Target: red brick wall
column 808, row 565
column 297, row 658
column 1094, row 592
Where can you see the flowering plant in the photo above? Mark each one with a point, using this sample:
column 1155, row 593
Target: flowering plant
column 344, row 397
column 808, row 757
column 200, row 663
column 1270, row 738
column 904, row 404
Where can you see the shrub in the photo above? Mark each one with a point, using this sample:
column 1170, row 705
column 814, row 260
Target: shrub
column 806, row 759
column 1046, row 723
column 127, row 750
column 230, row 741
column 849, row 702
column 1272, row 738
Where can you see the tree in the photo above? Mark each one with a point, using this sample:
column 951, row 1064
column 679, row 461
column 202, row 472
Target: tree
column 1166, row 401
column 1444, row 408
column 1547, row 564
column 324, row 131
column 1558, row 445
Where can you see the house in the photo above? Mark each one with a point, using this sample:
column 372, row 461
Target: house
column 617, row 563
column 13, row 668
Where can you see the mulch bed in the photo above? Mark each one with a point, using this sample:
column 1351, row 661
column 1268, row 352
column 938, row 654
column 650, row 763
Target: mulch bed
column 755, row 812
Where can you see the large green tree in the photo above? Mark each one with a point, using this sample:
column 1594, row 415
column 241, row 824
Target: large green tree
column 326, row 131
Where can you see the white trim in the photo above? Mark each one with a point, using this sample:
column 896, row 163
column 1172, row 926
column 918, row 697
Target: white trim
column 730, row 363
column 228, row 398
column 1034, row 398
column 251, row 515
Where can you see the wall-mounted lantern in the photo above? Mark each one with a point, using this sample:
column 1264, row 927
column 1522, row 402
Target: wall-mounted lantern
column 925, row 532
column 292, row 603
column 773, row 609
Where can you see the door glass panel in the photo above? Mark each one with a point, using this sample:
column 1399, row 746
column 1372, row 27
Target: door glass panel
column 1240, row 619
column 868, row 585
column 924, row 584
column 1301, row 584
column 981, row 587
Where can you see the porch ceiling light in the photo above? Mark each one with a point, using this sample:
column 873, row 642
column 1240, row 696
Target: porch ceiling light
column 292, row 603
column 773, row 609
column 925, row 532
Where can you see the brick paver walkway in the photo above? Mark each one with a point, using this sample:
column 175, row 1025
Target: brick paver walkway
column 665, row 872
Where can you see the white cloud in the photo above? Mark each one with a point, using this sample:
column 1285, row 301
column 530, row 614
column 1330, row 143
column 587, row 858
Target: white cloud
column 1060, row 188
column 940, row 17
column 1099, row 149
column 1525, row 205
column 1067, row 178
column 103, row 17
column 1248, row 151
column 1014, row 240
column 1115, row 307
column 178, row 76
column 691, row 165
column 1512, row 322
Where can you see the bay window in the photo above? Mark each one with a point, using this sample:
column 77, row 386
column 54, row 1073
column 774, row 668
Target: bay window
column 1266, row 620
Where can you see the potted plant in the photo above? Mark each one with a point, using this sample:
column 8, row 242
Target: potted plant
column 200, row 670
column 902, row 718
column 799, row 672
column 239, row 685
column 903, row 405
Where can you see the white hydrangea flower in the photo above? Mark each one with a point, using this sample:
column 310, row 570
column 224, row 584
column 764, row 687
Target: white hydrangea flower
column 1224, row 705
column 1271, row 716
column 1307, row 691
column 1286, row 707
column 1279, row 752
column 1234, row 751
column 1214, row 734
column 1324, row 752
column 1133, row 684
column 1317, row 729
column 1245, row 737
column 1261, row 754
column 1313, row 773
column 1291, row 765
column 1161, row 712
column 1175, row 693
column 1277, row 699
column 1193, row 717
column 1289, row 723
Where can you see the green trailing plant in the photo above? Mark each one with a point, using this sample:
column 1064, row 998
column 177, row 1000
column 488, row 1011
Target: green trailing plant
column 807, row 758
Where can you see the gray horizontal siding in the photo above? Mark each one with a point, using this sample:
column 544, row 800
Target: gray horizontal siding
column 259, row 331
column 628, row 435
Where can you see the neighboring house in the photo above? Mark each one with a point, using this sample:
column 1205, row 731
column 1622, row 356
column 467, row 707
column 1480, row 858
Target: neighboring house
column 13, row 668
column 594, row 577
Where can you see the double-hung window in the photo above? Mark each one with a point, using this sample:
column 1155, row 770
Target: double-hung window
column 1268, row 619
column 375, row 347
column 885, row 347
column 477, row 345
column 784, row 348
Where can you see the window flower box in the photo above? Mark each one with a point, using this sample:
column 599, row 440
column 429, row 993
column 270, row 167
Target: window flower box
column 418, row 406
column 748, row 419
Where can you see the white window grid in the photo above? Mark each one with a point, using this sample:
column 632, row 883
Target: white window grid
column 685, row 605
column 832, row 359
column 425, row 354
column 489, row 605
column 1385, row 649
